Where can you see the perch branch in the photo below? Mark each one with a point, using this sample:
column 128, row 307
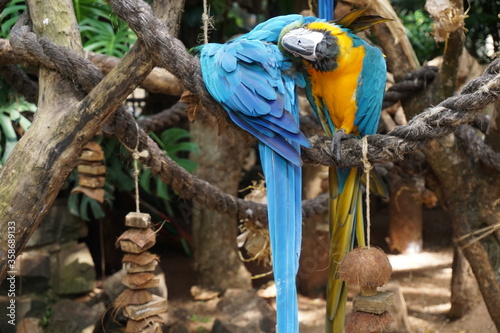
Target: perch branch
column 435, row 122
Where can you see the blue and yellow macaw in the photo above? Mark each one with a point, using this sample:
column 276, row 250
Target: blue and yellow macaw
column 345, row 86
column 256, row 84
column 255, row 78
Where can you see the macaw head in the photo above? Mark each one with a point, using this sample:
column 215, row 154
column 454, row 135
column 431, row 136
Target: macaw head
column 317, row 47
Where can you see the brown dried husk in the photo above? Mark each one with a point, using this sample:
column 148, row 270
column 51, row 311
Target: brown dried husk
column 142, row 325
column 142, row 259
column 129, row 296
column 365, row 266
column 138, row 278
column 143, row 238
column 361, row 322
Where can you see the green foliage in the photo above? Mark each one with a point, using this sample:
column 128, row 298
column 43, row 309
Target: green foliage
column 174, row 142
column 101, row 30
column 9, row 16
column 482, row 22
column 11, row 118
column 418, row 26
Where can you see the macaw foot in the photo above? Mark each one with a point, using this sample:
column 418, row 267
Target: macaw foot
column 338, row 136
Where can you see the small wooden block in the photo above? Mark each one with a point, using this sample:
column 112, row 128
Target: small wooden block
column 91, row 169
column 138, row 220
column 92, row 182
column 92, row 156
column 378, row 303
column 137, row 312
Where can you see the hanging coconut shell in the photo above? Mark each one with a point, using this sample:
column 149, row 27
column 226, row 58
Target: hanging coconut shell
column 137, row 312
column 367, row 267
column 361, row 322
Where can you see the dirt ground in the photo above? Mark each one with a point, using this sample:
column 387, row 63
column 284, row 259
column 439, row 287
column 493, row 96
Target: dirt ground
column 424, row 280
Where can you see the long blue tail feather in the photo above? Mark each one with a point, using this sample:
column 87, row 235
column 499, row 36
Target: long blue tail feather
column 284, row 193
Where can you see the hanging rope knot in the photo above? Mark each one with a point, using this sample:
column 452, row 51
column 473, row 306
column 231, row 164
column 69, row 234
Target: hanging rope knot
column 367, row 166
column 136, row 155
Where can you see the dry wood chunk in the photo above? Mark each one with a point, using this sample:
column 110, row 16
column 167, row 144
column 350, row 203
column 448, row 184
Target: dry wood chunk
column 138, row 220
column 378, row 303
column 91, row 169
column 137, row 312
column 136, row 240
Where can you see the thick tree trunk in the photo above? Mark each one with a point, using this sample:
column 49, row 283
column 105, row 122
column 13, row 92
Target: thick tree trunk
column 214, row 234
column 464, row 289
column 25, row 199
column 38, row 166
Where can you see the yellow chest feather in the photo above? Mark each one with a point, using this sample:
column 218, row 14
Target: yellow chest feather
column 337, row 88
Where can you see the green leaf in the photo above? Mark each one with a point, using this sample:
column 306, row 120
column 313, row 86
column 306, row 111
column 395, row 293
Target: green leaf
column 172, row 135
column 189, row 165
column 10, row 136
column 162, row 189
column 145, row 180
column 96, row 209
column 83, row 208
column 73, row 204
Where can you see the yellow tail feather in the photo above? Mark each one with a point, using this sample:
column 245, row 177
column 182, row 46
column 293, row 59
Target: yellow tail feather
column 346, row 217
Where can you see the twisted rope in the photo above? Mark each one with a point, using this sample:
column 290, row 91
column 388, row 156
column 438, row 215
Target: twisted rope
column 409, row 85
column 433, row 123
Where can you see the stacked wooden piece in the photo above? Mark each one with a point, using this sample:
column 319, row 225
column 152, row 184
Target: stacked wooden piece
column 368, row 268
column 145, row 311
column 91, row 172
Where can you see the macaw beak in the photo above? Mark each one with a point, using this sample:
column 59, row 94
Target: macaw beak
column 302, row 43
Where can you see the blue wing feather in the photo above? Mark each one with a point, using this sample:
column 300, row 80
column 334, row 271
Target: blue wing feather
column 256, row 89
column 370, row 92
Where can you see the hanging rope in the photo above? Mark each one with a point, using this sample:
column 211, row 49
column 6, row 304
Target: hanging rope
column 367, row 167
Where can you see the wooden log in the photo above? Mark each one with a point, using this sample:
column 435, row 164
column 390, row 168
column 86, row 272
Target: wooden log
column 92, row 156
column 137, row 312
column 98, row 169
column 378, row 303
column 92, row 182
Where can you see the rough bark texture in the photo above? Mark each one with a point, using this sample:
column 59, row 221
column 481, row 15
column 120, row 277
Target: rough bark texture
column 214, row 234
column 468, row 186
column 39, row 153
column 464, row 290
column 50, row 149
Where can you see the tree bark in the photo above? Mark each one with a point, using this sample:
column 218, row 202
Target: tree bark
column 464, row 289
column 25, row 199
column 214, row 234
column 38, row 166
